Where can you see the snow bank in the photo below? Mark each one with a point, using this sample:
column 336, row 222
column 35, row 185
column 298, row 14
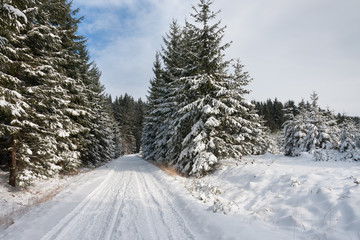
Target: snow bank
column 314, row 200
column 15, row 202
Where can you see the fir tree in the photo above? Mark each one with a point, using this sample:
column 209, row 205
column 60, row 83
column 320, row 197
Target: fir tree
column 153, row 119
column 49, row 93
column 206, row 116
column 166, row 104
column 311, row 130
column 15, row 109
column 129, row 115
column 349, row 136
column 294, row 133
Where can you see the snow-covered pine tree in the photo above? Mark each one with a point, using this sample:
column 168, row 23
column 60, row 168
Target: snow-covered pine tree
column 45, row 90
column 140, row 106
column 349, row 144
column 321, row 128
column 252, row 130
column 104, row 138
column 349, row 136
column 125, row 114
column 213, row 122
column 53, row 150
column 73, row 63
column 16, row 125
column 294, row 133
column 153, row 119
column 310, row 130
column 162, row 98
column 167, row 104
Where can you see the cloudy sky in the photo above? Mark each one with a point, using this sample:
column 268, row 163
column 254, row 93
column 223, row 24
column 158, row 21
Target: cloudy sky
column 290, row 47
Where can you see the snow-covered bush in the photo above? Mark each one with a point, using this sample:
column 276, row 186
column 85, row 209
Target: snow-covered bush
column 310, row 130
column 276, row 143
column 211, row 195
column 349, row 137
column 348, row 145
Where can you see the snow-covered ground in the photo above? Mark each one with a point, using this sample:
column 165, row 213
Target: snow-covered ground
column 313, row 200
column 15, row 202
column 269, row 197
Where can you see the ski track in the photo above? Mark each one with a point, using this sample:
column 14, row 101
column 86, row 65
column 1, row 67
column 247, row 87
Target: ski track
column 130, row 203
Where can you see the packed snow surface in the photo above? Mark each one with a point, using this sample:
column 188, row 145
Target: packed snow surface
column 263, row 197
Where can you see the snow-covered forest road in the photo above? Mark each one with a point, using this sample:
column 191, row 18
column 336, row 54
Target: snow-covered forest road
column 129, row 199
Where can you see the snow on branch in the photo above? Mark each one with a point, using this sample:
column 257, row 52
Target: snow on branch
column 3, row 42
column 15, row 12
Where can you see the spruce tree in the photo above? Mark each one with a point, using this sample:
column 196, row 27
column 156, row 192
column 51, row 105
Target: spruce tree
column 17, row 130
column 212, row 120
column 130, row 117
column 294, row 133
column 311, row 130
column 153, row 119
column 167, row 105
column 349, row 136
column 49, row 94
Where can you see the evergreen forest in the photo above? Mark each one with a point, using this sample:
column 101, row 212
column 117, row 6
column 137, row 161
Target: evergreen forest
column 55, row 115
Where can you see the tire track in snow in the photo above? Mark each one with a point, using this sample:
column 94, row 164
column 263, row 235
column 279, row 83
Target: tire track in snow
column 89, row 218
column 130, row 203
column 114, row 217
column 151, row 218
column 172, row 220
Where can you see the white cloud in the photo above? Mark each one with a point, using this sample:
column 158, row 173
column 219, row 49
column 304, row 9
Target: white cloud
column 105, row 3
column 290, row 47
column 126, row 60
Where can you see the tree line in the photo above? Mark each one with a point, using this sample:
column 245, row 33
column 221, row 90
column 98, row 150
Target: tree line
column 54, row 114
column 129, row 114
column 275, row 112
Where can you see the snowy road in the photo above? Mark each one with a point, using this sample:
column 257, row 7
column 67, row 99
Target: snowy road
column 128, row 199
column 129, row 204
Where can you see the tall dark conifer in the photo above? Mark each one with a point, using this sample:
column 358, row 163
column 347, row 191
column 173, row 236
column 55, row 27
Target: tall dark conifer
column 206, row 116
column 49, row 95
column 152, row 119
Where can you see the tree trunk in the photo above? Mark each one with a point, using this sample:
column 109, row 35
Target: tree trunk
column 12, row 177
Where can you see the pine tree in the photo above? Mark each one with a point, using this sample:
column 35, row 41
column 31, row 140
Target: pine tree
column 153, row 119
column 311, row 130
column 192, row 146
column 49, row 94
column 349, row 137
column 197, row 112
column 213, row 121
column 104, row 136
column 167, row 105
column 139, row 121
column 130, row 117
column 322, row 132
column 15, row 124
column 294, row 133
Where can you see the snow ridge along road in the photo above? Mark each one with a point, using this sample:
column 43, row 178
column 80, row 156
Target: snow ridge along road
column 129, row 198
